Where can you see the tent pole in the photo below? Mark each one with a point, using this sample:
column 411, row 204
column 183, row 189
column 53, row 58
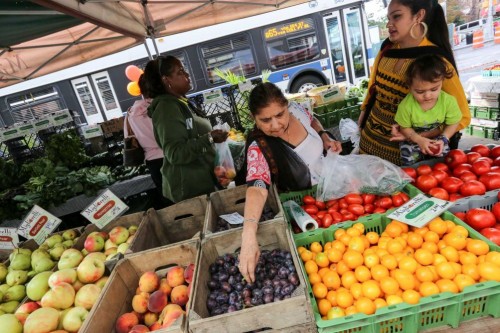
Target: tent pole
column 147, row 49
column 151, row 30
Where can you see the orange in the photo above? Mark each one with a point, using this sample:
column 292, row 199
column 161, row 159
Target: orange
column 471, row 270
column 360, row 226
column 351, row 310
column 356, row 243
column 449, row 226
column 348, row 278
column 432, row 247
column 402, row 225
column 334, row 255
column 327, row 246
column 389, row 285
column 338, row 233
column 353, row 259
column 371, row 259
column 314, row 278
column 410, row 296
column 489, row 271
column 394, row 246
column 365, row 305
column 381, row 252
column 323, row 271
column 456, row 240
column 441, row 244
column 439, row 258
column 393, row 299
column 345, row 238
column 408, row 263
column 468, row 258
column 379, row 303
column 335, row 312
column 438, row 226
column 389, row 261
column 324, row 306
column 461, row 230
column 331, row 280
column 371, row 289
column 372, row 237
column 300, row 249
column 401, row 240
column 477, row 246
column 493, row 257
column 311, row 267
column 445, row 270
column 393, row 229
column 424, row 273
column 457, row 267
column 424, row 257
column 315, row 247
column 306, row 255
column 356, row 290
column 421, row 231
column 431, row 236
column 445, row 285
column 481, row 258
column 382, row 242
column 319, row 290
column 428, row 288
column 362, row 273
column 342, row 267
column 322, row 259
column 353, row 232
column 338, row 245
column 434, row 271
column 450, row 253
column 332, row 297
column 405, row 279
column 414, row 240
column 344, row 299
column 378, row 272
column 462, row 281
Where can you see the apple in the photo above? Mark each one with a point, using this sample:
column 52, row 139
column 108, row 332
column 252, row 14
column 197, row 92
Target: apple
column 28, row 307
column 77, row 285
column 109, row 244
column 42, row 320
column 87, row 296
column 68, row 243
column 69, row 234
column 102, row 281
column 132, row 230
column 70, row 258
column 97, row 255
column 21, row 317
column 94, row 243
column 60, row 297
column 104, row 234
column 38, row 286
column 118, row 235
column 67, row 275
column 90, row 270
column 110, row 251
column 125, row 322
column 74, row 319
column 10, row 323
column 122, row 248
column 130, row 239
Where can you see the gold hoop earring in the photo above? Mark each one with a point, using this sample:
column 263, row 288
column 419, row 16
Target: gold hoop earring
column 426, row 28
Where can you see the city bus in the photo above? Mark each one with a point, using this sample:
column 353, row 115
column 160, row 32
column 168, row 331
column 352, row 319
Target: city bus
column 304, row 46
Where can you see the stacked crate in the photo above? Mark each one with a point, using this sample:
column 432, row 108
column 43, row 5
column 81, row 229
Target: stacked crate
column 484, row 108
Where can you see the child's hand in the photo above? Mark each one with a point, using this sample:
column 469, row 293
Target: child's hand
column 428, row 146
column 396, row 134
column 437, row 147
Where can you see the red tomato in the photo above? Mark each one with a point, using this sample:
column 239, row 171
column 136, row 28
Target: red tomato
column 426, row 182
column 461, row 168
column 327, row 220
column 356, row 209
column 337, row 217
column 439, row 193
column 472, row 157
column 487, row 159
column 332, row 209
column 493, row 234
column 495, row 169
column 479, row 218
column 451, row 184
column 455, row 196
column 483, row 150
column 424, row 169
column 321, row 214
column 441, row 166
column 321, row 205
column 330, row 203
column 405, row 196
column 460, row 215
column 397, row 199
column 369, row 208
column 353, row 198
column 384, row 202
column 410, row 172
column 480, row 167
column 308, row 200
column 311, row 209
column 496, row 211
column 379, row 210
column 495, row 152
column 368, row 198
column 496, row 161
column 319, row 221
column 343, row 204
column 491, row 180
column 472, row 187
column 455, row 157
column 349, row 217
column 468, row 175
column 439, row 175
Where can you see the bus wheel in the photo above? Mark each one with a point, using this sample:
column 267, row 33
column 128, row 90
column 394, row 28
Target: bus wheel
column 305, row 83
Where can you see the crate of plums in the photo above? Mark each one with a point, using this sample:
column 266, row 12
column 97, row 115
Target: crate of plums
column 224, row 302
column 225, row 209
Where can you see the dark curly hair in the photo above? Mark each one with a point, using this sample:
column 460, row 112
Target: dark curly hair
column 155, row 70
column 429, row 68
column 264, row 94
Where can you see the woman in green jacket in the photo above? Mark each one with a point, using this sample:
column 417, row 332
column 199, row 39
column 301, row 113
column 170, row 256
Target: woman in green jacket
column 185, row 137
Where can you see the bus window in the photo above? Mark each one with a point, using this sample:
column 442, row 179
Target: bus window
column 234, row 54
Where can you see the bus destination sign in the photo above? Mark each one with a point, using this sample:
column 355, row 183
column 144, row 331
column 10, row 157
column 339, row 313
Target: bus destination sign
column 282, row 30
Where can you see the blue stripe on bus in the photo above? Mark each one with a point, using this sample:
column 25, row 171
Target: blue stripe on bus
column 277, row 76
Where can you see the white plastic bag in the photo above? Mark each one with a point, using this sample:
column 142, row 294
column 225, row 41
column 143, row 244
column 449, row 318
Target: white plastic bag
column 343, row 174
column 224, row 165
column 349, row 129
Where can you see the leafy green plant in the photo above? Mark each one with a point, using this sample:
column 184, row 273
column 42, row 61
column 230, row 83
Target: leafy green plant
column 229, row 76
column 66, row 149
column 265, row 75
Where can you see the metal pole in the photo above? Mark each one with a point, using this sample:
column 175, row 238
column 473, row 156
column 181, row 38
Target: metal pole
column 488, row 30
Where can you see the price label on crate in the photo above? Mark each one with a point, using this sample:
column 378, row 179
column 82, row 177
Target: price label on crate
column 26, row 128
column 91, row 131
column 8, row 238
column 213, row 96
column 42, row 123
column 233, row 218
column 104, row 209
column 62, row 117
column 420, row 210
column 38, row 224
column 11, row 132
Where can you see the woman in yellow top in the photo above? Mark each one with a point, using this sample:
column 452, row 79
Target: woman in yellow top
column 416, row 27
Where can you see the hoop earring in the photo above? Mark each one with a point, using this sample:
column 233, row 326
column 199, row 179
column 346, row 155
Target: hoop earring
column 426, row 28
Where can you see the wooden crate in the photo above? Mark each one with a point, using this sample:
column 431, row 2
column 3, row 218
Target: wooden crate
column 171, row 225
column 233, row 201
column 293, row 311
column 116, row 297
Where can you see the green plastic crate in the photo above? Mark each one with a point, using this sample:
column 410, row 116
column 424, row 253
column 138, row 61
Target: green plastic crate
column 484, row 112
column 439, row 310
column 481, row 131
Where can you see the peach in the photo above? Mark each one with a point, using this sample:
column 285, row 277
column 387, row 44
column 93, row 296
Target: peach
column 166, row 313
column 125, row 322
column 155, row 326
column 140, row 303
column 171, row 317
column 175, row 276
column 165, row 287
column 157, row 301
column 139, row 329
column 139, row 316
column 180, row 295
column 188, row 273
column 149, row 282
column 150, row 318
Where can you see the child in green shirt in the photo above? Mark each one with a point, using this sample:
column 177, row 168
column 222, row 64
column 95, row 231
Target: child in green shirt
column 427, row 116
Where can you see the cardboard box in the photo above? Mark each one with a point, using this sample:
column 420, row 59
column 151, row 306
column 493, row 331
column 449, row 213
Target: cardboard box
column 173, row 224
column 116, row 297
column 113, row 125
column 233, row 201
column 290, row 312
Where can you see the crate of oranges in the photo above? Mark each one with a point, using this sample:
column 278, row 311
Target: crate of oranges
column 380, row 275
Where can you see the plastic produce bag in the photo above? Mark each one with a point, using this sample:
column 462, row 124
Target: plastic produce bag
column 349, row 129
column 343, row 174
column 224, row 165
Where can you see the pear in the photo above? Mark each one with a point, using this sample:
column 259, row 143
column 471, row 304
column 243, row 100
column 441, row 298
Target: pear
column 16, row 277
column 3, row 272
column 9, row 307
column 20, row 262
column 39, row 254
column 56, row 252
column 17, row 251
column 44, row 265
column 11, row 323
column 68, row 243
column 31, row 274
column 4, row 287
column 70, row 234
column 53, row 240
column 38, row 286
column 15, row 293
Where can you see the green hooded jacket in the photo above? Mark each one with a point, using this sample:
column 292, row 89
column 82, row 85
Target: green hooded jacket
column 188, row 164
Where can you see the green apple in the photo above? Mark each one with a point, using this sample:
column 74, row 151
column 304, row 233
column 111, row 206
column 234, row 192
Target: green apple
column 60, row 297
column 94, row 243
column 14, row 293
column 74, row 319
column 38, row 286
column 70, row 258
column 42, row 320
column 67, row 275
column 10, row 323
column 102, row 281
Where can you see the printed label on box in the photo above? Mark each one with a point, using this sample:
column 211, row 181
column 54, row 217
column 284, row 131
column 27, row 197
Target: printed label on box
column 11, row 132
column 91, row 131
column 43, row 123
column 104, row 209
column 26, row 128
column 420, row 210
column 38, row 224
column 8, row 238
column 62, row 117
column 331, row 95
column 234, row 218
column 213, row 96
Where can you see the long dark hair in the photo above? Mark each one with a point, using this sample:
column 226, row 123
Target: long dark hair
column 435, row 20
column 155, row 70
column 264, row 94
column 428, row 68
